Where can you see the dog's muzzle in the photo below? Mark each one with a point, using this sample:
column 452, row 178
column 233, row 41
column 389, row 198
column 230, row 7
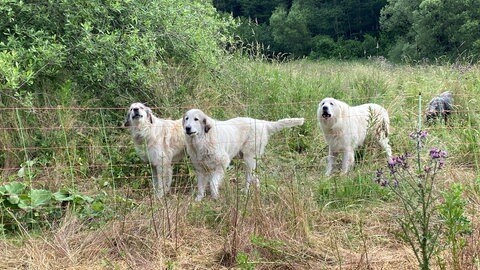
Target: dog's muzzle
column 136, row 114
column 325, row 113
column 189, row 132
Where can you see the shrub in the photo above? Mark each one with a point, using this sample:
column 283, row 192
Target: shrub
column 23, row 207
column 107, row 48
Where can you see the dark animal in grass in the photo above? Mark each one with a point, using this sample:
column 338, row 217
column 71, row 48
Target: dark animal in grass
column 440, row 107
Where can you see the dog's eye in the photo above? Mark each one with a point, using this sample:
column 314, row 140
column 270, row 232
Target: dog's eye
column 196, row 119
column 186, row 118
column 331, row 103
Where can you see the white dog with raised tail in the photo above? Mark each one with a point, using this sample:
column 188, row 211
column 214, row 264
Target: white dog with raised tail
column 212, row 144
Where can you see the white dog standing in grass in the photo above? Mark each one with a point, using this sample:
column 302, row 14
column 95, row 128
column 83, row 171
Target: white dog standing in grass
column 345, row 128
column 157, row 141
column 212, row 144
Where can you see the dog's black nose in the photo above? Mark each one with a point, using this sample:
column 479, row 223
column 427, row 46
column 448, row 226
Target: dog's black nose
column 135, row 110
column 325, row 108
column 188, row 129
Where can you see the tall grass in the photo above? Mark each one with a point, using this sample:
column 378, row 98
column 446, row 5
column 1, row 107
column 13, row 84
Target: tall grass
column 297, row 218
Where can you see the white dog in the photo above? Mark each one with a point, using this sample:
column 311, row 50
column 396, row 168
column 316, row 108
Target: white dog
column 157, row 141
column 211, row 145
column 345, row 128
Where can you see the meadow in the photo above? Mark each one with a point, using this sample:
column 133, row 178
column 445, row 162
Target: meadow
column 86, row 200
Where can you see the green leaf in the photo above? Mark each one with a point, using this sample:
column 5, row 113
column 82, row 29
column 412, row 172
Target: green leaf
column 63, row 196
column 39, row 197
column 79, row 198
column 15, row 188
column 24, row 202
column 21, row 172
column 98, row 206
column 13, row 199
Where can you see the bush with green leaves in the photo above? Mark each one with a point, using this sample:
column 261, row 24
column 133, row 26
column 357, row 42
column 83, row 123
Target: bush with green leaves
column 106, row 48
column 23, row 207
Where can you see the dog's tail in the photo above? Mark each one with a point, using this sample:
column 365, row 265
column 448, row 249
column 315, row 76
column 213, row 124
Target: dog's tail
column 284, row 123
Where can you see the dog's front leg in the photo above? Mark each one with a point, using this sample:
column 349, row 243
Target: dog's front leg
column 215, row 181
column 157, row 187
column 201, row 183
column 250, row 165
column 330, row 161
column 165, row 175
column 348, row 160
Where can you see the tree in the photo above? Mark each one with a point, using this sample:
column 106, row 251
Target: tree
column 298, row 21
column 290, row 30
column 432, row 28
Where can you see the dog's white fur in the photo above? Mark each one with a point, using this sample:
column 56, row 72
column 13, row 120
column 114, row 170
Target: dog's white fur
column 345, row 128
column 160, row 142
column 212, row 144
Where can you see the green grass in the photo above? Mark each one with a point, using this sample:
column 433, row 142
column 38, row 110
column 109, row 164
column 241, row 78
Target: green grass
column 87, row 150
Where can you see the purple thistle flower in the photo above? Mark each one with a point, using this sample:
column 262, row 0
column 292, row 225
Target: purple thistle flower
column 391, row 162
column 439, row 156
column 436, row 153
column 399, row 161
column 423, row 134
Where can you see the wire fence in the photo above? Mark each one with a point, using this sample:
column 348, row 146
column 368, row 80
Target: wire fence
column 73, row 145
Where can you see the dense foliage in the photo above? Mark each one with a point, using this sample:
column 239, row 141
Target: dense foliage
column 103, row 47
column 399, row 29
column 430, row 29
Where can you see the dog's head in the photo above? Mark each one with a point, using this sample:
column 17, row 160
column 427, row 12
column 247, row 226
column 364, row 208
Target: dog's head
column 138, row 114
column 196, row 123
column 330, row 109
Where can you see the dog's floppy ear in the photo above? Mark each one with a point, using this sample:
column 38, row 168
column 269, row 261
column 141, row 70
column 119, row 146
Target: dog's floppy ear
column 206, row 124
column 149, row 114
column 127, row 120
column 342, row 108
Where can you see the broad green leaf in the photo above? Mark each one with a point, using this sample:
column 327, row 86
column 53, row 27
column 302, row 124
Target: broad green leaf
column 13, row 199
column 25, row 205
column 24, row 202
column 15, row 188
column 62, row 196
column 40, row 197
